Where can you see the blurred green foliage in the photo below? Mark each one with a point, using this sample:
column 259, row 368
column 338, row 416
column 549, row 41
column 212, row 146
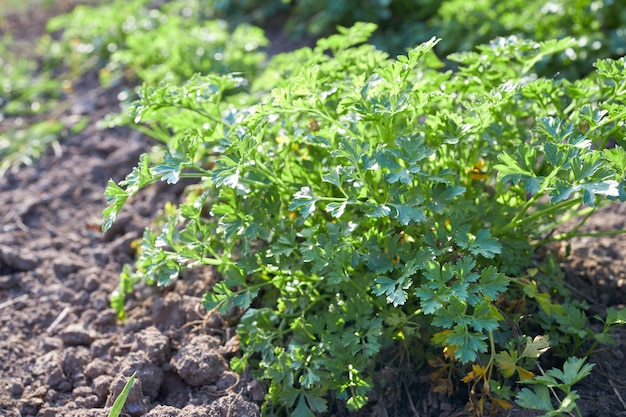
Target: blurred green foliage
column 28, row 95
column 134, row 39
column 598, row 25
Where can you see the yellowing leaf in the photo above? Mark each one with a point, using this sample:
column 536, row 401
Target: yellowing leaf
column 449, row 351
column 469, row 377
column 536, row 347
column 477, row 173
column 507, row 362
column 502, row 403
column 524, row 374
column 479, row 370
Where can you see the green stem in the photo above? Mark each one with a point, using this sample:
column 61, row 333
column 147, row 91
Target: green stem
column 554, row 208
column 153, row 133
column 569, row 235
column 569, row 216
column 202, row 113
column 192, row 175
column 517, row 220
column 332, row 199
column 606, row 121
column 269, row 174
column 520, row 219
column 215, row 261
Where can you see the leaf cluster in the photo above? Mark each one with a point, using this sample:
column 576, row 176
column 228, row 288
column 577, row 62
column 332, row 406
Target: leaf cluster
column 138, row 40
column 350, row 200
column 462, row 26
column 30, row 105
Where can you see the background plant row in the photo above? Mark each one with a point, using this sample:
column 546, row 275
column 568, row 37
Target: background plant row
column 190, row 36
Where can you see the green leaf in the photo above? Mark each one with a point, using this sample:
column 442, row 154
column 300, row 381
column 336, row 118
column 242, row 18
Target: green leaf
column 614, row 316
column 316, row 403
column 510, row 170
column 535, row 347
column 574, row 370
column 226, row 172
column 539, row 399
column 387, row 159
column 285, row 245
column 407, row 214
column 118, row 405
column 302, row 409
column 337, row 209
column 611, row 68
column 115, row 196
column 309, row 378
column 468, row 344
column 219, row 297
column 304, row 200
column 348, row 36
column 571, row 319
column 609, row 188
column 379, row 262
column 244, row 299
column 169, row 170
column 452, row 314
column 568, row 403
column 378, row 211
column 334, row 177
column 356, row 402
column 492, row 283
column 463, row 270
column 485, row 245
column 557, row 131
column 176, row 160
column 403, row 176
column 421, row 259
column 395, row 290
column 605, row 339
column 617, row 158
column 339, row 175
column 416, row 54
column 435, row 291
column 562, row 191
column 443, row 196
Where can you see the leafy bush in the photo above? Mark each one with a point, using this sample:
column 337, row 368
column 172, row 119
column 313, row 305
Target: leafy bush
column 29, row 107
column 597, row 25
column 355, row 204
column 172, row 42
column 22, row 91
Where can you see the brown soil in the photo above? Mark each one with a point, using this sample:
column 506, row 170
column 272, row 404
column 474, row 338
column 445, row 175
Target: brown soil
column 64, row 353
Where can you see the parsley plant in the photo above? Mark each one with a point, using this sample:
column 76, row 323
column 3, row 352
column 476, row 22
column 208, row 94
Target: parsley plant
column 355, row 203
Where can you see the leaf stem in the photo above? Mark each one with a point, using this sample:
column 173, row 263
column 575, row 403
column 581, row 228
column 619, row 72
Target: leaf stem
column 569, row 235
column 519, row 219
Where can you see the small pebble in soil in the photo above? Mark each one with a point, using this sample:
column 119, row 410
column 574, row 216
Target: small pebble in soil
column 15, row 388
column 76, row 334
column 199, row 363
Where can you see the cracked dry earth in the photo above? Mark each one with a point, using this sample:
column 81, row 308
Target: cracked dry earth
column 62, row 350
